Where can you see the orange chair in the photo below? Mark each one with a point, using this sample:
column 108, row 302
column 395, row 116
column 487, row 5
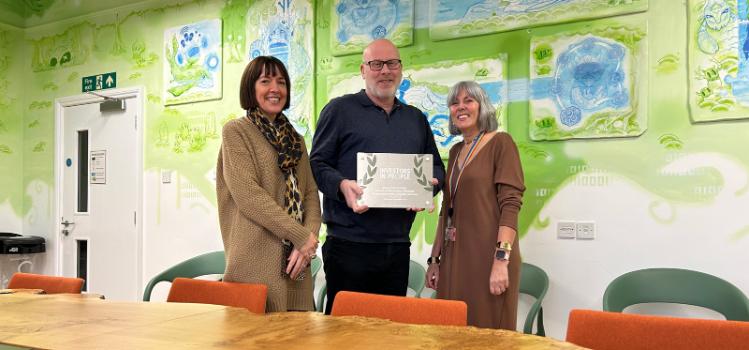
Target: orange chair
column 246, row 295
column 401, row 309
column 50, row 284
column 602, row 330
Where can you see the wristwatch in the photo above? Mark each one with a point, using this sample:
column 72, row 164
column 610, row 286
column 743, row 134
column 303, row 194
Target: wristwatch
column 502, row 255
column 433, row 260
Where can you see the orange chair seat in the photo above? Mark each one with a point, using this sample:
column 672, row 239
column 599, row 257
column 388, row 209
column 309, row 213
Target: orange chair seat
column 616, row 331
column 401, row 309
column 246, row 295
column 50, row 284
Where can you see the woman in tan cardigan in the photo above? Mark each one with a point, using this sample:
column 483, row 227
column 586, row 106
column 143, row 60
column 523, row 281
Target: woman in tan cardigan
column 267, row 197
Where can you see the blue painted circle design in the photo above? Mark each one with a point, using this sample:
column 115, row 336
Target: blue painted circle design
column 590, row 78
column 379, row 32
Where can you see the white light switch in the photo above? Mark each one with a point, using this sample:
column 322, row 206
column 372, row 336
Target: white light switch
column 586, row 230
column 566, row 229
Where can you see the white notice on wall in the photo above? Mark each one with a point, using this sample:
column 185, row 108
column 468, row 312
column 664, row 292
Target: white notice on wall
column 98, row 165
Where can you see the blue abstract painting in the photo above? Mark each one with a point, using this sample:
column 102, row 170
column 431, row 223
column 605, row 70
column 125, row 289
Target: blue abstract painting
column 588, row 84
column 355, row 23
column 192, row 62
column 283, row 28
column 460, row 18
column 718, row 60
column 426, row 87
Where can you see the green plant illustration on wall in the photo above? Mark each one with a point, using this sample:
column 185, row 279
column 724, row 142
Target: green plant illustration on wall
column 233, row 16
column 181, row 134
column 668, row 63
column 39, row 147
column 140, row 57
column 39, row 105
column 69, row 48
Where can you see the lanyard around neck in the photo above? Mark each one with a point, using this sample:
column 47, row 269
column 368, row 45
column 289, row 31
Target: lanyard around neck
column 454, row 186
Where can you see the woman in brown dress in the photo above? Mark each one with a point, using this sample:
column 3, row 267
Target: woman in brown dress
column 476, row 255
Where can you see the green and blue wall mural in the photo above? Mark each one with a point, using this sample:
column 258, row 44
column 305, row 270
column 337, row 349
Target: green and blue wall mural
column 655, row 183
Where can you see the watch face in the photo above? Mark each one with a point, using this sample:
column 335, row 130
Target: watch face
column 501, row 255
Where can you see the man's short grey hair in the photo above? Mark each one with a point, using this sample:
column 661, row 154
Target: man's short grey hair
column 487, row 113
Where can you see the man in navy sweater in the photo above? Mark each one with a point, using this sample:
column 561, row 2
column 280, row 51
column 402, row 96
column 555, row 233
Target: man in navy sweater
column 368, row 250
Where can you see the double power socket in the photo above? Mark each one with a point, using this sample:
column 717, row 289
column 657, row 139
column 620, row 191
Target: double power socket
column 576, row 229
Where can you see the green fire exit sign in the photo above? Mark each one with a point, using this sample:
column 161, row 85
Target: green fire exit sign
column 99, row 82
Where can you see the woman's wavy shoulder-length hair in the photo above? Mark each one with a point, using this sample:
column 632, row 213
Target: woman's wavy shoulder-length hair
column 487, row 113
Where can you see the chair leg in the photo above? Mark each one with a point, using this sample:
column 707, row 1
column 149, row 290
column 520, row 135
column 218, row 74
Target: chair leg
column 540, row 323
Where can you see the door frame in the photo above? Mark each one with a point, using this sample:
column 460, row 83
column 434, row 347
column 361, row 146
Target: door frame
column 136, row 92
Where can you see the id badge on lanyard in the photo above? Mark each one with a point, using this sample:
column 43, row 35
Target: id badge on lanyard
column 450, row 230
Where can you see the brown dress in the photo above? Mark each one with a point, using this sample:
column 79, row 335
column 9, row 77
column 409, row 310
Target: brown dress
column 489, row 195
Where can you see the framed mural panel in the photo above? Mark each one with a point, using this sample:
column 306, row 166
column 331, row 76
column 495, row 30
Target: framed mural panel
column 426, row 87
column 355, row 23
column 284, row 29
column 192, row 62
column 718, row 60
column 459, row 18
column 589, row 83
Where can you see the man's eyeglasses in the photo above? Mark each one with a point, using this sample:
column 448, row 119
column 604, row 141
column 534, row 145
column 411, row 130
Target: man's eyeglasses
column 376, row 65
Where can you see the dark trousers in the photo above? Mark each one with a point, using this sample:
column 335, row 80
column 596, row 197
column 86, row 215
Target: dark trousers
column 380, row 268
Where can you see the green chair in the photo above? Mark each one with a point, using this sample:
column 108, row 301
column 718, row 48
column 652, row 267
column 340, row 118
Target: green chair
column 535, row 282
column 667, row 285
column 206, row 264
column 416, row 278
column 316, row 264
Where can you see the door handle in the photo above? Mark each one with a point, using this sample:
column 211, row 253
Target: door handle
column 66, row 224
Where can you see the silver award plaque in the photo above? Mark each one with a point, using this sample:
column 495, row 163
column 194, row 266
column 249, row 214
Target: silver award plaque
column 392, row 180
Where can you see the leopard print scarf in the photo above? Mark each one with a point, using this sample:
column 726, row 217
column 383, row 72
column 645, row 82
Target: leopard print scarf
column 288, row 143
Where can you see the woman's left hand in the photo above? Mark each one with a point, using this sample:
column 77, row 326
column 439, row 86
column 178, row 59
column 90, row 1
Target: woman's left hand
column 297, row 263
column 499, row 279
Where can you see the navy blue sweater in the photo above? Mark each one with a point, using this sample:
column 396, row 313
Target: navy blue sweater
column 353, row 123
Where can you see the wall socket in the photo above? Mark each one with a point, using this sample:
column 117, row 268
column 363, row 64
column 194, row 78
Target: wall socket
column 586, row 230
column 166, row 176
column 566, row 229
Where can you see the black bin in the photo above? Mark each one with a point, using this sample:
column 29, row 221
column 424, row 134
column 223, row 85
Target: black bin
column 13, row 243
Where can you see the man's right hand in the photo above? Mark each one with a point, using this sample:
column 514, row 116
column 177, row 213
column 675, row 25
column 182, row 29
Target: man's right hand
column 352, row 192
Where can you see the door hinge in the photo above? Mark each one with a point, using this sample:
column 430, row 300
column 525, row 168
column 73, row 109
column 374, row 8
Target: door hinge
column 136, row 122
column 135, row 218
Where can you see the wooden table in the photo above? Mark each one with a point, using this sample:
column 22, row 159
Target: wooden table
column 59, row 321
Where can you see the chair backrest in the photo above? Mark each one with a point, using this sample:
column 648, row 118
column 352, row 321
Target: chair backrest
column 416, row 277
column 617, row 331
column 315, row 265
column 535, row 282
column 401, row 309
column 667, row 285
column 246, row 295
column 50, row 284
column 206, row 264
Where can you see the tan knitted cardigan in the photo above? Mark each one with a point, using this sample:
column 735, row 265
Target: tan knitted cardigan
column 250, row 191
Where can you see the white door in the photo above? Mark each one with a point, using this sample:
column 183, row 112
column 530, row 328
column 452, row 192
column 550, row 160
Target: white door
column 99, row 193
